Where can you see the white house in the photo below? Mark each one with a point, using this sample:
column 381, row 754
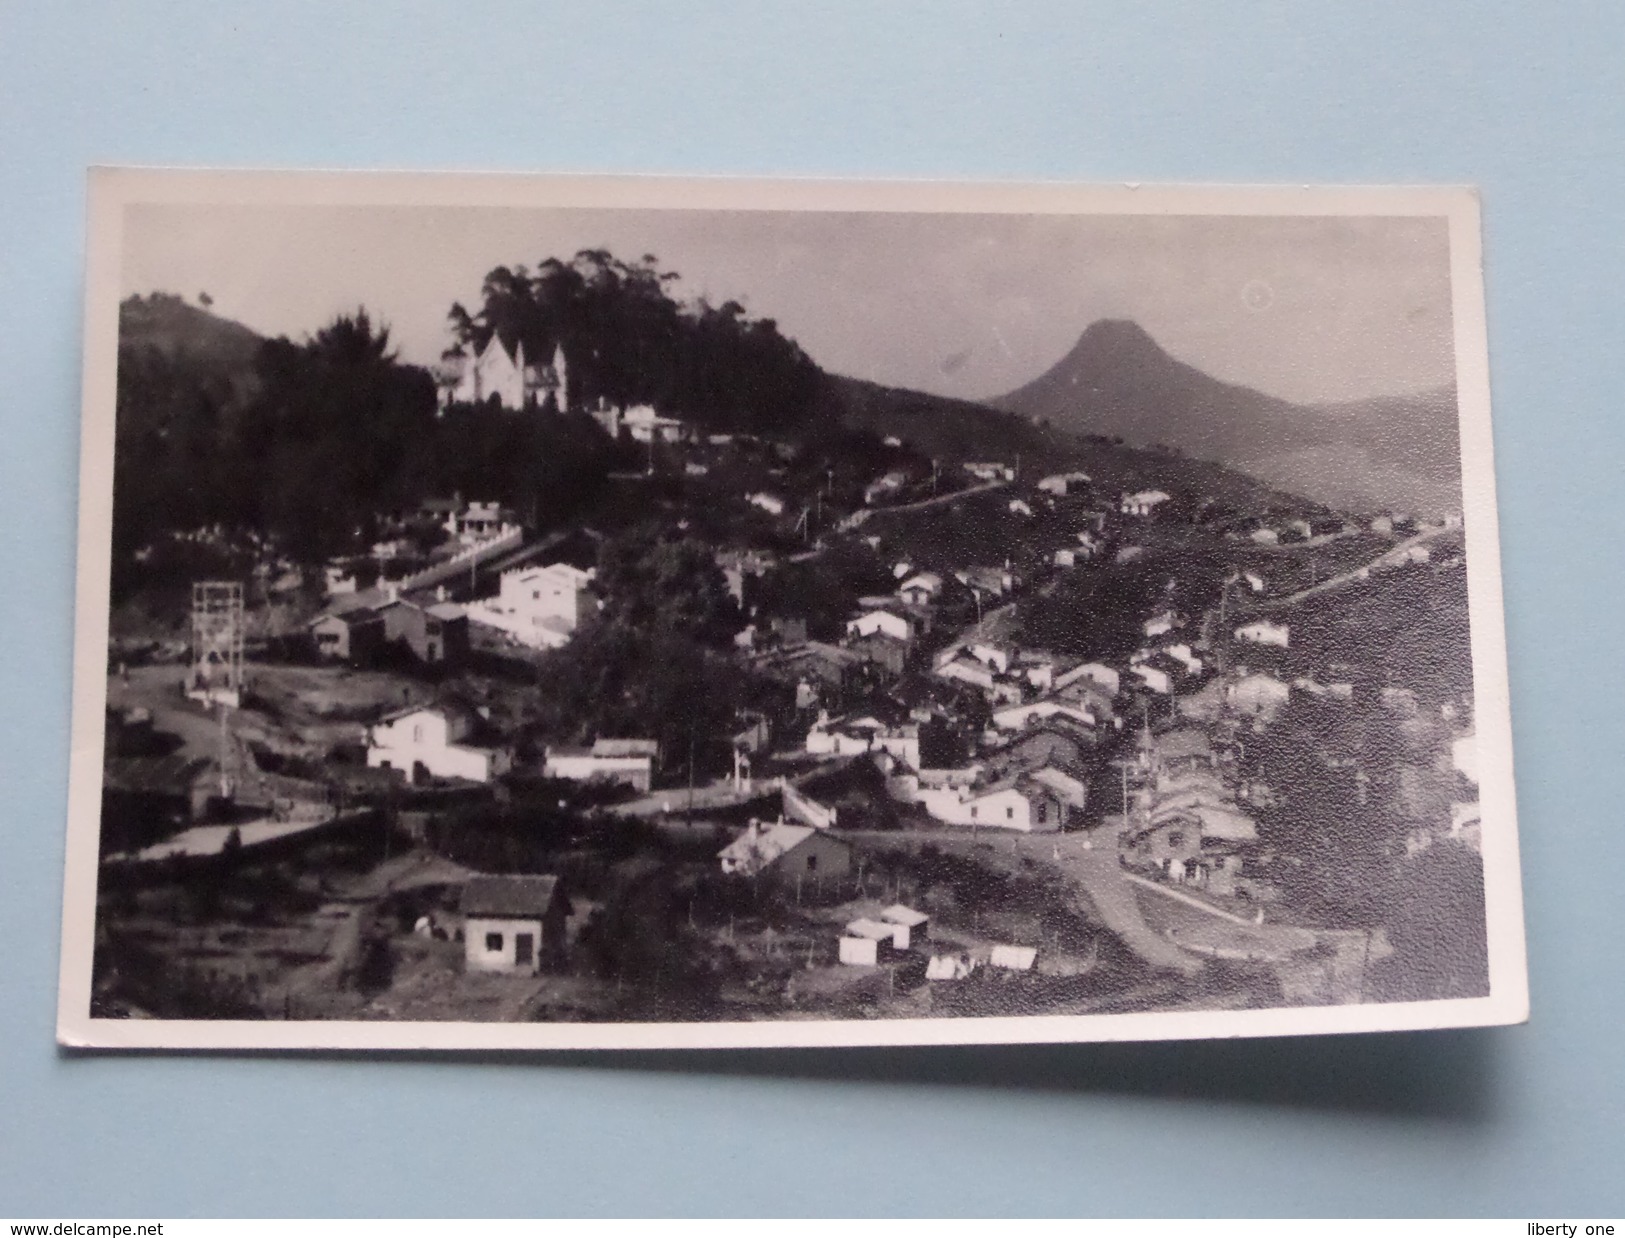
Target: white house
column 538, row 606
column 990, row 580
column 920, row 589
column 1258, row 695
column 950, row 967
column 628, row 761
column 1014, row 958
column 842, row 737
column 998, row 657
column 910, row 927
column 1265, row 537
column 787, row 851
column 864, row 943
column 1072, row 791
column 1018, row 717
column 645, row 425
column 1021, row 804
column 423, row 740
column 1097, row 673
column 864, row 733
column 1183, row 654
column 986, row 470
column 1153, row 677
column 1065, row 557
column 1020, row 507
column 772, row 504
column 1264, row 632
column 1162, row 622
column 1143, row 502
column 1039, row 670
column 513, row 923
column 967, row 670
column 881, row 487
column 479, row 520
column 1058, row 483
column 882, row 621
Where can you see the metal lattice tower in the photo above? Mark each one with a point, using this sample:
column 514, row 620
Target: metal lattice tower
column 216, row 671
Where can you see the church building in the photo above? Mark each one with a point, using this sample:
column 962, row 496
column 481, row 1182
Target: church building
column 495, row 371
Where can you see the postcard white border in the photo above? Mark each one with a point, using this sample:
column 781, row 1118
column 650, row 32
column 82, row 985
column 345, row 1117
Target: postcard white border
column 111, row 190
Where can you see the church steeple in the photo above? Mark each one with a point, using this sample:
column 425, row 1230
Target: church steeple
column 561, row 376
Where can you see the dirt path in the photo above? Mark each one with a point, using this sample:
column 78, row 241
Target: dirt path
column 1090, row 863
column 1393, row 555
column 1096, row 868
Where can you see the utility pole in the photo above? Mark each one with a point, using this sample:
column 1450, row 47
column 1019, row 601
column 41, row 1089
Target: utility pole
column 691, row 771
column 225, row 751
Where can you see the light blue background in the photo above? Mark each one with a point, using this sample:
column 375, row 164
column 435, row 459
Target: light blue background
column 1526, row 100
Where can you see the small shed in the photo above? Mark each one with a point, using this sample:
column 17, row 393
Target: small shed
column 1014, row 958
column 949, row 967
column 866, row 943
column 513, row 923
column 909, row 927
column 355, row 636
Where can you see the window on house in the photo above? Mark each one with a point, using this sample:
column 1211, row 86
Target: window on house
column 493, row 943
column 812, row 863
column 973, row 811
column 1010, row 814
column 1177, row 838
column 417, row 733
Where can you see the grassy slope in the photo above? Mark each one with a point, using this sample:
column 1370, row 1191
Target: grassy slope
column 959, row 430
column 175, row 328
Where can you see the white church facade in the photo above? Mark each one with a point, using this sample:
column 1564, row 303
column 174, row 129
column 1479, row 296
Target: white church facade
column 497, row 372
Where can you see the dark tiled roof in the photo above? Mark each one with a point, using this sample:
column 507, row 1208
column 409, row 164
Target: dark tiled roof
column 509, row 897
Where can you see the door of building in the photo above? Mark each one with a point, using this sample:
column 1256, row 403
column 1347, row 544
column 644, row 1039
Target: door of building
column 524, row 949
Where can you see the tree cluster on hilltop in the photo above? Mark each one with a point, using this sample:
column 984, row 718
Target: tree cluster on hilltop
column 309, row 442
column 627, row 340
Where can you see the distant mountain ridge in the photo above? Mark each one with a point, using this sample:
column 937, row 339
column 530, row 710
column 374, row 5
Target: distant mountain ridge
column 1399, row 452
column 954, row 431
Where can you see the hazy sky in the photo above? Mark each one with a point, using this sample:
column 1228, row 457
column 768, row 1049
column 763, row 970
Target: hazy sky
column 1309, row 309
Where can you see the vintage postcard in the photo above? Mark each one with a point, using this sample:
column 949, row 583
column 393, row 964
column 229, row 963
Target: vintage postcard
column 528, row 612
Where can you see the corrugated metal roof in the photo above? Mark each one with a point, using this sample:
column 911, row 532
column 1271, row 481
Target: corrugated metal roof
column 626, row 748
column 873, row 930
column 897, row 913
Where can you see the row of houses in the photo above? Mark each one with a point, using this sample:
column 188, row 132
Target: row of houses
column 439, row 741
column 435, row 633
column 1187, row 825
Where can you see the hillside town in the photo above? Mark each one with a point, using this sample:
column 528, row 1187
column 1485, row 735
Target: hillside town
column 765, row 724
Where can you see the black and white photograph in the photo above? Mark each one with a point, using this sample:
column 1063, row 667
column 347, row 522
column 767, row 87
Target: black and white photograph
column 526, row 612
